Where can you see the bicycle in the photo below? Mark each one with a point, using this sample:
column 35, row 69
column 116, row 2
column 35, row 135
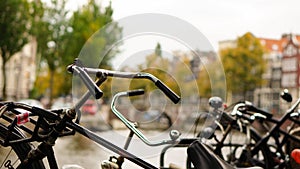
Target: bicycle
column 45, row 126
column 281, row 136
column 274, row 145
column 229, row 135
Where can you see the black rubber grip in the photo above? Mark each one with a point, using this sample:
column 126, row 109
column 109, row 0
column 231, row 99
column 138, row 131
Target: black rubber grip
column 135, row 92
column 167, row 91
column 258, row 110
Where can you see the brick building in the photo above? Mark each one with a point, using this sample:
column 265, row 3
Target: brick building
column 283, row 70
column 291, row 65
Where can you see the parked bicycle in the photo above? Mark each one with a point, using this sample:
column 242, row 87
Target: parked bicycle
column 21, row 124
column 271, row 150
column 228, row 136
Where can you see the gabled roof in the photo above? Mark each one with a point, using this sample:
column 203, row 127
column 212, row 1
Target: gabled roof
column 279, row 44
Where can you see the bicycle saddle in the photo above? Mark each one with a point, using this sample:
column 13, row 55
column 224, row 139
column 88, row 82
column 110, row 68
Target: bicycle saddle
column 203, row 157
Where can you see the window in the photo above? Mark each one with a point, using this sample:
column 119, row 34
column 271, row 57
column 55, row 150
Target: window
column 290, row 50
column 289, row 80
column 275, row 47
column 289, row 64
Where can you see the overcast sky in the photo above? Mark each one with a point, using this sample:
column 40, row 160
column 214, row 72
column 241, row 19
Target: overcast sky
column 219, row 19
column 222, row 19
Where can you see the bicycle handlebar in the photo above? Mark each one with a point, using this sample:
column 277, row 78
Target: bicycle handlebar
column 132, row 126
column 261, row 114
column 135, row 92
column 84, row 71
column 250, row 107
column 164, row 88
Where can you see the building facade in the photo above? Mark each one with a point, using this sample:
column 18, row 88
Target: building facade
column 20, row 72
column 282, row 71
column 291, row 65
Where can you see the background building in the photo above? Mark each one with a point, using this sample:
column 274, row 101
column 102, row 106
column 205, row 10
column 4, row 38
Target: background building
column 21, row 72
column 282, row 71
column 290, row 65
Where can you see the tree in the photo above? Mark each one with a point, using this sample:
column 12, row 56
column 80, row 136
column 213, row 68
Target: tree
column 63, row 36
column 94, row 38
column 16, row 23
column 94, row 34
column 52, row 40
column 158, row 49
column 244, row 65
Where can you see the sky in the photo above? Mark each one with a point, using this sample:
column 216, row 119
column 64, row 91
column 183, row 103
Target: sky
column 217, row 20
column 222, row 19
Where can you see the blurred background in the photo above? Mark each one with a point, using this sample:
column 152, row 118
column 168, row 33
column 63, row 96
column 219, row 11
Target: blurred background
column 257, row 43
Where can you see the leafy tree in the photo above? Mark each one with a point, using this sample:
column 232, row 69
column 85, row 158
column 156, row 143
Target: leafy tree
column 16, row 24
column 65, row 36
column 93, row 38
column 244, row 65
column 155, row 64
column 93, row 35
column 203, row 83
column 51, row 38
column 211, row 81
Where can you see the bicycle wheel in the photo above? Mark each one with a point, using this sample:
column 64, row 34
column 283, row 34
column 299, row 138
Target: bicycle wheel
column 12, row 156
column 236, row 151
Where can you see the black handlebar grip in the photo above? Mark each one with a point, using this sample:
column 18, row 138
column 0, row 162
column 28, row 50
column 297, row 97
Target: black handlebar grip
column 135, row 92
column 167, row 91
column 258, row 110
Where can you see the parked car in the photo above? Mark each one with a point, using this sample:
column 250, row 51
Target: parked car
column 90, row 107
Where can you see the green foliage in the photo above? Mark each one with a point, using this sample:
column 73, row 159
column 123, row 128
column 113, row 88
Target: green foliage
column 63, row 36
column 155, row 65
column 43, row 86
column 211, row 80
column 16, row 25
column 91, row 38
column 51, row 38
column 244, row 64
column 203, row 82
column 158, row 49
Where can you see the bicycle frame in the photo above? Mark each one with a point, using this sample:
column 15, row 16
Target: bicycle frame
column 65, row 122
column 276, row 131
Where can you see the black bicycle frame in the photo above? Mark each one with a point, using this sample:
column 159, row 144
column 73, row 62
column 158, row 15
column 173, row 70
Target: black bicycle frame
column 276, row 129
